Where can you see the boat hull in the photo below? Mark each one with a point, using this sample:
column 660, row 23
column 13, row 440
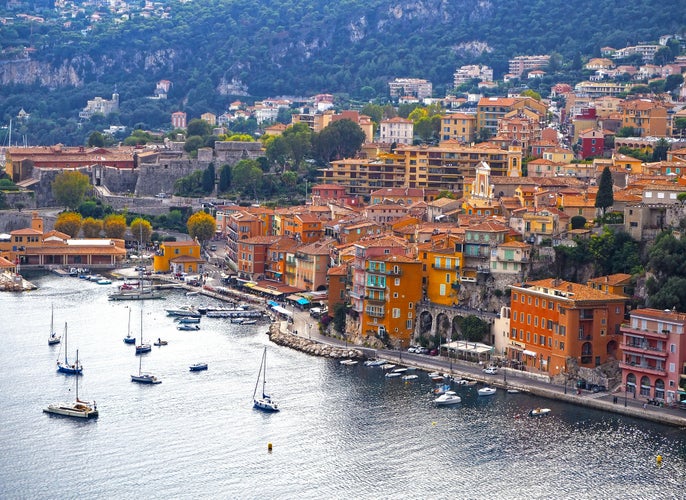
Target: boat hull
column 70, row 370
column 129, row 340
column 266, row 405
column 199, row 367
column 142, row 349
column 73, row 410
column 145, row 379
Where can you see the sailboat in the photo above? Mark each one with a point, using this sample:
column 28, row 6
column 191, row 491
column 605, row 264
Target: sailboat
column 264, row 403
column 144, row 378
column 76, row 409
column 64, row 367
column 129, row 339
column 142, row 347
column 53, row 338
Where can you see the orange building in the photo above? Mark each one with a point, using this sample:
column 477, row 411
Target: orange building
column 556, row 323
column 275, row 264
column 392, row 288
column 252, row 256
column 338, row 280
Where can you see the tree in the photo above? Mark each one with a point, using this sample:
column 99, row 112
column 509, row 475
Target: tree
column 114, row 226
column 198, row 127
column 224, row 178
column 474, row 329
column 673, row 82
column 660, row 150
column 680, row 125
column 208, row 176
column 247, row 177
column 141, row 230
column 626, row 132
column 193, row 143
column 340, row 139
column 276, row 150
column 96, row 139
column 578, row 222
column 91, row 227
column 69, row 188
column 339, row 316
column 202, row 226
column 531, row 93
column 604, row 197
column 69, row 223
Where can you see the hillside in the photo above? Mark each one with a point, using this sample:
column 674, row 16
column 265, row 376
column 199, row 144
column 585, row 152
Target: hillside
column 216, row 49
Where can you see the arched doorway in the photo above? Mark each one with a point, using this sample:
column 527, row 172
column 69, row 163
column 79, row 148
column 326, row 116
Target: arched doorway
column 659, row 389
column 456, row 328
column 443, row 326
column 645, row 386
column 611, row 350
column 631, row 383
column 425, row 323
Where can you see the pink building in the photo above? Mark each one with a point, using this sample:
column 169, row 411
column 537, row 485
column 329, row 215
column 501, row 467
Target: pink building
column 178, row 119
column 654, row 355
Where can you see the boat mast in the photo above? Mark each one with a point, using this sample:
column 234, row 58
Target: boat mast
column 259, row 374
column 264, row 373
column 77, row 378
column 66, row 361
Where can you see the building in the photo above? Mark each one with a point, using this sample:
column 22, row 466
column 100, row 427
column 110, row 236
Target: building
column 242, row 225
column 646, row 117
column 396, row 130
column 616, row 284
column 464, row 74
column 416, row 87
column 592, row 143
column 311, row 265
column 459, row 127
column 252, row 256
column 179, row 257
column 555, row 324
column 441, row 260
column 178, row 120
column 100, row 106
column 521, row 64
column 654, row 355
column 337, row 279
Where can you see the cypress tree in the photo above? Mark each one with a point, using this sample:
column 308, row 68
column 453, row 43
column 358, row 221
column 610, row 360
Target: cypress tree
column 604, row 197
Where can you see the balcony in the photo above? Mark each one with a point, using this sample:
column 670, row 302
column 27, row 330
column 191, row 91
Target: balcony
column 394, row 272
column 377, row 286
column 443, row 267
column 645, row 368
column 644, row 349
column 625, row 328
column 375, row 314
column 372, row 298
column 585, row 337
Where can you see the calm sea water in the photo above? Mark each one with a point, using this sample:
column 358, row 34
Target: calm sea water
column 343, row 432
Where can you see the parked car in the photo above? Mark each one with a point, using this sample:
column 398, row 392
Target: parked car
column 491, row 370
column 421, row 350
column 433, row 352
column 140, row 268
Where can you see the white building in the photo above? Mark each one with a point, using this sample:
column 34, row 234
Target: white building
column 398, row 130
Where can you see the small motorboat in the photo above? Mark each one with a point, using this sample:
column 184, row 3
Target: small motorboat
column 104, row 281
column 441, row 389
column 407, row 378
column 187, row 320
column 539, row 412
column 248, row 322
column 160, row 342
column 198, row 367
column 188, row 328
column 487, row 391
column 448, row 398
column 129, row 339
column 387, row 366
column 349, row 362
column 393, row 374
column 513, row 391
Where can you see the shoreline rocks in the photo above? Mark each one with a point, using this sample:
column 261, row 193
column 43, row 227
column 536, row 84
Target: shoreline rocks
column 310, row 346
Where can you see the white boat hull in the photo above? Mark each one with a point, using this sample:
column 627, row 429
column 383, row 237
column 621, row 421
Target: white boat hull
column 74, row 410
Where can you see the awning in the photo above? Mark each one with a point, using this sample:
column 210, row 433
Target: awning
column 302, row 301
column 284, row 311
column 529, row 353
column 271, row 303
column 266, row 290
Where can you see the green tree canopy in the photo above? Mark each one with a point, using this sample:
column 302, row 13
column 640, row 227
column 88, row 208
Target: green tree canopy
column 198, row 127
column 340, row 139
column 224, row 178
column 247, row 177
column 208, row 176
column 474, row 329
column 69, row 188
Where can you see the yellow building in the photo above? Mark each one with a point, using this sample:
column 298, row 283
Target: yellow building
column 460, row 127
column 441, row 261
column 179, row 257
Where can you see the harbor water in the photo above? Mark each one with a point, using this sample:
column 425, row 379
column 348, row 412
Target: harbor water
column 342, row 432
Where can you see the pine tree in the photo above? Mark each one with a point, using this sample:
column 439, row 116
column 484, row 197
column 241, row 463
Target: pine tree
column 604, row 197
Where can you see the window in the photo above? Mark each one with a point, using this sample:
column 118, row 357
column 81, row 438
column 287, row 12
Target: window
column 408, row 324
column 535, row 338
column 528, row 319
column 562, row 346
column 528, row 336
column 514, row 297
column 535, row 320
column 395, row 295
column 550, row 342
column 409, row 314
column 447, row 278
column 396, row 312
column 441, row 290
column 410, row 305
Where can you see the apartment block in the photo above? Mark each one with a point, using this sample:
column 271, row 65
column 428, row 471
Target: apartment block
column 415, row 87
column 521, row 64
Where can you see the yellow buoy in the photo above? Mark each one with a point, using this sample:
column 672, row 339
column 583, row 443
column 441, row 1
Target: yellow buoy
column 433, row 423
column 658, row 460
column 269, row 446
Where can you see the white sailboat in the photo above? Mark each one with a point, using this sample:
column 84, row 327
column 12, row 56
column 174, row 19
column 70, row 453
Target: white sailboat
column 129, row 339
column 76, row 409
column 265, row 402
column 65, row 367
column 144, row 378
column 53, row 338
column 142, row 347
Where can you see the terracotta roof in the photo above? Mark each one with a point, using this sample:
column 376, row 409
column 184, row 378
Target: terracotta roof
column 612, row 279
column 341, row 270
column 578, row 292
column 660, row 314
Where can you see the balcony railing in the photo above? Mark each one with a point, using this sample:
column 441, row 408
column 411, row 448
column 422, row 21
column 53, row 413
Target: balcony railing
column 373, row 298
column 644, row 333
column 644, row 349
column 654, row 370
column 444, row 267
column 375, row 314
column 376, row 285
column 394, row 272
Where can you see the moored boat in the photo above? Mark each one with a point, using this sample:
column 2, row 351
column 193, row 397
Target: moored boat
column 197, row 367
column 75, row 409
column 188, row 328
column 487, row 391
column 348, row 362
column 539, row 412
column 447, row 398
column 53, row 338
column 65, row 367
column 144, row 378
column 264, row 403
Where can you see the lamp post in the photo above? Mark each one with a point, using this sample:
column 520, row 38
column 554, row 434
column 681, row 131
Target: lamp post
column 309, row 325
column 626, row 390
column 400, row 353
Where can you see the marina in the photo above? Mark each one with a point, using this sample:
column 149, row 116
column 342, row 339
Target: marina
column 384, row 432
